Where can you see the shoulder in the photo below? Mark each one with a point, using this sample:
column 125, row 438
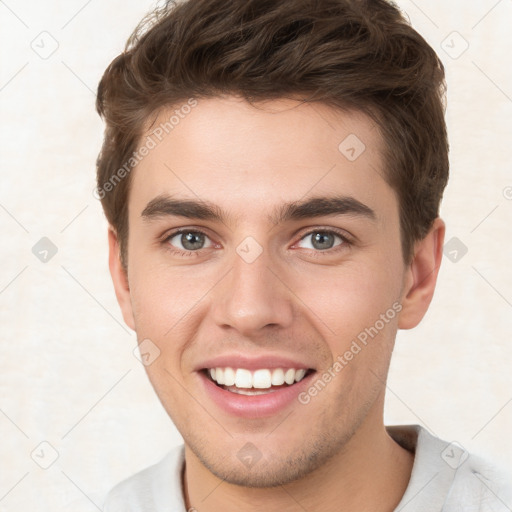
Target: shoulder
column 480, row 487
column 156, row 488
column 446, row 477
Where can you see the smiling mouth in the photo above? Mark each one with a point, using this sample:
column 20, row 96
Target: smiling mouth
column 246, row 382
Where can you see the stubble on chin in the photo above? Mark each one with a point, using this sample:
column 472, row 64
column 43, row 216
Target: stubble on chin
column 271, row 468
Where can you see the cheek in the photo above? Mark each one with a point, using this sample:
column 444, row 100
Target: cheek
column 163, row 300
column 357, row 314
column 163, row 306
column 347, row 300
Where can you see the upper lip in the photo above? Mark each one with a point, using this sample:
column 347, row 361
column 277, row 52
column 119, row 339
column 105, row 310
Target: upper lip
column 270, row 361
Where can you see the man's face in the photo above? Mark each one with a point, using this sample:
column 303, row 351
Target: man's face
column 265, row 284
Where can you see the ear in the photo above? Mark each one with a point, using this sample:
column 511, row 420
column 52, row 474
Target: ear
column 421, row 276
column 119, row 278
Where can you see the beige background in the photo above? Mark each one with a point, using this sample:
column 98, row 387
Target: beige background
column 68, row 376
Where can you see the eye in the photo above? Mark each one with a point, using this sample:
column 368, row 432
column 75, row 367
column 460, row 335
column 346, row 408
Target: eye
column 323, row 240
column 188, row 240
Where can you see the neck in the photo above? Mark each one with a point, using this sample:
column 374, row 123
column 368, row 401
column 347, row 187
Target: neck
column 370, row 473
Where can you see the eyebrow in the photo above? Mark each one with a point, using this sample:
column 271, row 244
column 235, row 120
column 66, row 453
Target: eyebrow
column 165, row 205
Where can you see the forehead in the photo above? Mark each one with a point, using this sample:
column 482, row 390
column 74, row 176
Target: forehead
column 248, row 158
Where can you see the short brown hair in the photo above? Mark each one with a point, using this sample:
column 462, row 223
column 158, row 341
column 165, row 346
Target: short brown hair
column 348, row 54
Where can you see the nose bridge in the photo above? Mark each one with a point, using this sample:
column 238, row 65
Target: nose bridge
column 251, row 296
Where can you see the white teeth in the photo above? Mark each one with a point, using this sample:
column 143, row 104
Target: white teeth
column 259, row 379
column 289, row 376
column 229, row 377
column 262, row 379
column 243, row 378
column 278, row 377
column 299, row 375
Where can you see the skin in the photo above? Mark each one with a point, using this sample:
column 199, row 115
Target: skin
column 294, row 300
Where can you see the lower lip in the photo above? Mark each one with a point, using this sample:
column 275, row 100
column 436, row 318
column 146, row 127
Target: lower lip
column 254, row 406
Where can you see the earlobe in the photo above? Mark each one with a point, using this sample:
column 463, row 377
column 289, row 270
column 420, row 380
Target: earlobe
column 421, row 276
column 120, row 279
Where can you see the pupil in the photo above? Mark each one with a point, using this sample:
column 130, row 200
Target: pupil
column 323, row 241
column 192, row 240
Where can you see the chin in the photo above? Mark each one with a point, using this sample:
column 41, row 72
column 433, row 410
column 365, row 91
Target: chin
column 269, row 468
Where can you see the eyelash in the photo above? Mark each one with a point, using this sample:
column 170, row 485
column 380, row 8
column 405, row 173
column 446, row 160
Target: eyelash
column 344, row 241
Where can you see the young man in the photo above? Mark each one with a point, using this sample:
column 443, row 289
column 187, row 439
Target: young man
column 271, row 174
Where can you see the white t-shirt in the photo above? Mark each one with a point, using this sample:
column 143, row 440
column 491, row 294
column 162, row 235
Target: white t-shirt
column 444, row 478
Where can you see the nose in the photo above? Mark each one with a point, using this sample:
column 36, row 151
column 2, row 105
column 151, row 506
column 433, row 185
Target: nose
column 253, row 296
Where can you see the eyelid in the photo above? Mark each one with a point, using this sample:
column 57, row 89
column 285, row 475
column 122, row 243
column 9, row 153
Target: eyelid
column 186, row 229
